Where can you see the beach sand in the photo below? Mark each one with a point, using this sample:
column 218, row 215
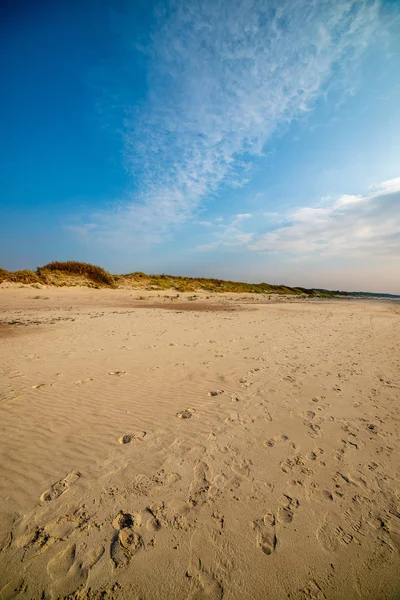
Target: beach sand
column 230, row 447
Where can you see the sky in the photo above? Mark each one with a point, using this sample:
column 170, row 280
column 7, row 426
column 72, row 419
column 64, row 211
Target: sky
column 255, row 140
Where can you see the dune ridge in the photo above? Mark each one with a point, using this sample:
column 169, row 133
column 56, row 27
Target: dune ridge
column 73, row 273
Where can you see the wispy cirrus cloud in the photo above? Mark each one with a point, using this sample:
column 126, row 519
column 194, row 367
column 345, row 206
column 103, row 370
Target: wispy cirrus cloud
column 228, row 234
column 223, row 77
column 352, row 226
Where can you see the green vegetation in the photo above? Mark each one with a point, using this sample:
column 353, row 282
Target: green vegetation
column 72, row 273
column 194, row 284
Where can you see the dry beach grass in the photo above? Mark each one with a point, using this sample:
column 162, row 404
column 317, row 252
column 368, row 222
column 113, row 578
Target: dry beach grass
column 73, row 273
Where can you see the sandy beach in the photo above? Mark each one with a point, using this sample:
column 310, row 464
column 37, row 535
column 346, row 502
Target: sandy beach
column 232, row 446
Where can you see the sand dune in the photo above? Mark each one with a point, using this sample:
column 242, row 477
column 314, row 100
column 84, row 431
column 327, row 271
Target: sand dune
column 244, row 453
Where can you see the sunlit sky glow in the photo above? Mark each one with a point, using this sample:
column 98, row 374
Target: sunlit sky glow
column 251, row 140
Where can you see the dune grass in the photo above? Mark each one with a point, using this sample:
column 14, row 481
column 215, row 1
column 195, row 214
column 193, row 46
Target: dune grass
column 24, row 276
column 72, row 273
column 193, row 284
column 64, row 273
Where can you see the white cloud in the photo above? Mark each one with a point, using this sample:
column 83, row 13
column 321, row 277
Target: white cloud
column 244, row 238
column 229, row 236
column 352, row 226
column 243, row 216
column 348, row 199
column 362, row 226
column 390, row 186
column 222, row 77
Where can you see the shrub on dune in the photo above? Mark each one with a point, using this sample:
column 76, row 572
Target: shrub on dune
column 24, row 276
column 73, row 268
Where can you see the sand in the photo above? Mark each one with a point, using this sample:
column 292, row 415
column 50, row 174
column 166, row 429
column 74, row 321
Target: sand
column 230, row 447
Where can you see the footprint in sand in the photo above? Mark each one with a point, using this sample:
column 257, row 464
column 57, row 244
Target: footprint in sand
column 81, row 381
column 308, row 414
column 315, row 454
column 92, row 558
column 60, row 487
column 122, row 520
column 172, row 515
column 208, row 587
column 245, row 382
column 316, row 399
column 331, row 535
column 242, row 467
column 204, row 584
column 37, row 540
column 326, row 495
column 278, row 438
column 126, row 541
column 311, row 591
column 269, row 443
column 294, row 462
column 217, row 486
column 59, row 566
column 285, row 513
column 67, row 524
column 34, row 543
column 131, row 438
column 291, row 462
column 118, row 373
column 66, row 572
column 69, row 571
column 153, row 524
column 12, row 589
column 200, row 485
column 314, row 430
column 266, row 538
column 215, row 393
column 318, row 494
column 354, row 519
column 186, row 414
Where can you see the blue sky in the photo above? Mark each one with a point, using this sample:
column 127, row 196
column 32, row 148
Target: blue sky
column 253, row 140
